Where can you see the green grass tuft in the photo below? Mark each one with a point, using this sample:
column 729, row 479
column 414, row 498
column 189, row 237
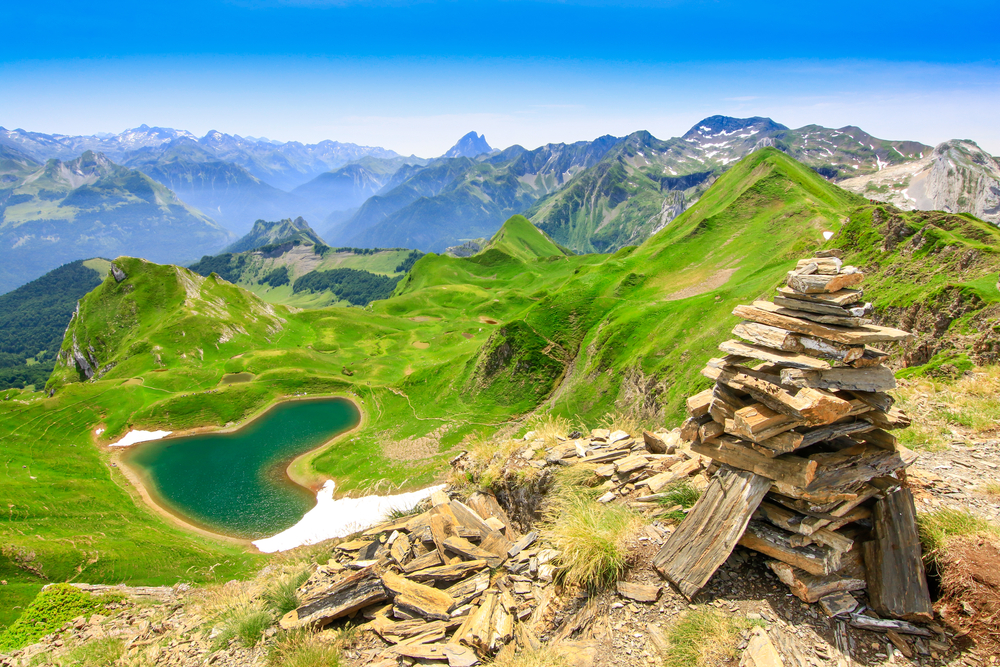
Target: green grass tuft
column 940, row 526
column 49, row 611
column 704, row 638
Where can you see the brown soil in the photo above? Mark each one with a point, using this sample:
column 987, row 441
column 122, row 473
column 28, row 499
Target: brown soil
column 468, row 336
column 420, row 345
column 717, row 279
column 486, row 320
column 970, row 591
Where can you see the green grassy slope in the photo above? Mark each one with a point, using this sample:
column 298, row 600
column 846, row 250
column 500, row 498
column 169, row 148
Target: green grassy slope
column 519, row 239
column 33, row 319
column 462, row 347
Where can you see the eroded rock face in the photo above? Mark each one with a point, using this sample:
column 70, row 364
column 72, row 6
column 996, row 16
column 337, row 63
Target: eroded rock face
column 118, row 273
column 85, row 363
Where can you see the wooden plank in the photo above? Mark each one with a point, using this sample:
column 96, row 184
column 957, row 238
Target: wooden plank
column 774, row 542
column 849, row 321
column 790, row 359
column 788, row 341
column 788, row 468
column 844, row 297
column 355, row 591
column 878, row 378
column 811, row 588
column 897, row 582
column 858, row 336
column 818, row 284
column 711, row 529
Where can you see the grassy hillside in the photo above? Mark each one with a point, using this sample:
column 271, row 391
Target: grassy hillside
column 91, row 207
column 463, row 347
column 33, row 319
column 300, row 272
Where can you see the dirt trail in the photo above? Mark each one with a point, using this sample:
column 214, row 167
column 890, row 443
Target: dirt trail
column 717, row 279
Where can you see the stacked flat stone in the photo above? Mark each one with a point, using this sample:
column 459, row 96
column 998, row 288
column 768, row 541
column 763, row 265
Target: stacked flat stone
column 799, row 424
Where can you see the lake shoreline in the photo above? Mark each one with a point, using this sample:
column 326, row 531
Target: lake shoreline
column 312, row 483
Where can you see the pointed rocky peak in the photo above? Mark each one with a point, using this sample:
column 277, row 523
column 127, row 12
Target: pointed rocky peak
column 267, row 233
column 470, row 145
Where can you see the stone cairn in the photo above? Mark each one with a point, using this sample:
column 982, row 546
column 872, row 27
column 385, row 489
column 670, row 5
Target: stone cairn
column 808, row 473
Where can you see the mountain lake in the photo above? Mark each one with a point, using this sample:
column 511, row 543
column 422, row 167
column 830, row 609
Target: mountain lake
column 236, row 483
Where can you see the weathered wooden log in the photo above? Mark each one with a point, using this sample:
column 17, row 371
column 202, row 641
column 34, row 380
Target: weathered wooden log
column 787, row 468
column 774, row 542
column 819, row 284
column 878, row 378
column 711, row 529
column 355, row 591
column 810, row 587
column 858, row 336
column 417, row 598
column 897, row 582
column 788, row 341
column 844, row 297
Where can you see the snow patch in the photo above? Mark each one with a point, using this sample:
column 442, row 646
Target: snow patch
column 827, row 235
column 135, row 437
column 340, row 518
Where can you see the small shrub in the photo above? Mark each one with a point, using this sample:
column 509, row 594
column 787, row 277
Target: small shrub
column 281, row 596
column 703, row 638
column 590, row 536
column 938, row 527
column 48, row 611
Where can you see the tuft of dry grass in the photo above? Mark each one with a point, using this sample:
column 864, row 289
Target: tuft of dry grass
column 704, row 638
column 591, row 537
column 991, row 489
column 305, row 648
column 545, row 656
column 487, row 456
column 629, row 422
column 550, row 428
column 945, row 409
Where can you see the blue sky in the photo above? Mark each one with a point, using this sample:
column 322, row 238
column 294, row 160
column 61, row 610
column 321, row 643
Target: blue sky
column 414, row 76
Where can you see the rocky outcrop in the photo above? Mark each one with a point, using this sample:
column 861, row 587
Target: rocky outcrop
column 118, row 273
column 85, row 363
column 957, row 177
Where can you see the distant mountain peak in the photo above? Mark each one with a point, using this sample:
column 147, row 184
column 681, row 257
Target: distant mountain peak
column 470, row 145
column 724, row 126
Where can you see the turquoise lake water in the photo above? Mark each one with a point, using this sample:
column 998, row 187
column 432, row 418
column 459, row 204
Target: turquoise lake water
column 235, row 483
